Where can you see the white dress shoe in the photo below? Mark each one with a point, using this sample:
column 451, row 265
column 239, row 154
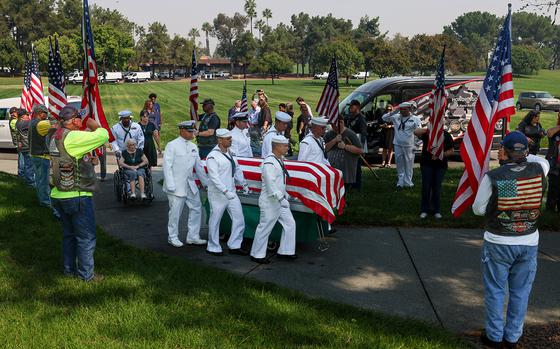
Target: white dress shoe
column 196, row 241
column 423, row 215
column 438, row 216
column 175, row 243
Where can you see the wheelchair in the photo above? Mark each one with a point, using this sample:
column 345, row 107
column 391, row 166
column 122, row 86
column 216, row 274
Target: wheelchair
column 121, row 186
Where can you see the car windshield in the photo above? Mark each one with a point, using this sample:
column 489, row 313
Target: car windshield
column 544, row 95
column 360, row 96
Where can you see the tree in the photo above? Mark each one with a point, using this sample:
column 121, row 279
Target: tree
column 325, row 29
column 9, row 54
column 267, row 14
column 300, row 25
column 272, row 63
column 260, row 26
column 385, row 58
column 69, row 17
column 251, row 11
column 526, row 60
column 348, row 57
column 193, row 34
column 207, row 29
column 531, row 29
column 157, row 41
column 226, row 30
column 244, row 49
column 425, row 50
column 279, row 40
column 70, row 52
column 180, row 51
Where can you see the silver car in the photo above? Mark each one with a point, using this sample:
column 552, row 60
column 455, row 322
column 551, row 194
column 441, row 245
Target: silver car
column 537, row 100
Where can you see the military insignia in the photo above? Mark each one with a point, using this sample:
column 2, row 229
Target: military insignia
column 503, row 216
column 534, row 214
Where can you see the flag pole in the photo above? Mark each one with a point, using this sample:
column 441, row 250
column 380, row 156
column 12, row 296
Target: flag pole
column 505, row 123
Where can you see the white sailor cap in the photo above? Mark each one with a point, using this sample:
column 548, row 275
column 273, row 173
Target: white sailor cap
column 405, row 105
column 242, row 116
column 284, row 117
column 279, row 139
column 187, row 125
column 125, row 114
column 319, row 121
column 223, row 133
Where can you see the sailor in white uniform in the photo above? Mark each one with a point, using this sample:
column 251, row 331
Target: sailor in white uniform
column 179, row 159
column 125, row 129
column 223, row 172
column 280, row 125
column 274, row 205
column 240, row 141
column 312, row 147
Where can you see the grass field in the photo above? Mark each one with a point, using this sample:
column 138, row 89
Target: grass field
column 173, row 95
column 149, row 300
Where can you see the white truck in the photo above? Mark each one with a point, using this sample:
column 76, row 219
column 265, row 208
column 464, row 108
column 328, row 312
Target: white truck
column 76, row 77
column 138, row 76
column 111, row 76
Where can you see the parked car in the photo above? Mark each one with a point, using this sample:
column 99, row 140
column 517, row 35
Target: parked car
column 164, row 75
column 221, row 74
column 321, row 76
column 139, row 76
column 76, row 77
column 537, row 100
column 360, row 75
column 207, row 75
column 112, row 76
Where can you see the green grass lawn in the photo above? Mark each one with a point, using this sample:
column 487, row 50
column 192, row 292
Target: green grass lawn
column 378, row 203
column 149, row 300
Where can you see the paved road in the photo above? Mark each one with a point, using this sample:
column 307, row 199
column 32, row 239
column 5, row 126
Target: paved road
column 428, row 274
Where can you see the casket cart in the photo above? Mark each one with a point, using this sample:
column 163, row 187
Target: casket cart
column 316, row 197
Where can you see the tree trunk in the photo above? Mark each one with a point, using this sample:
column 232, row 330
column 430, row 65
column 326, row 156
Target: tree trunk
column 297, row 69
column 365, row 75
column 272, row 76
column 251, row 20
column 230, row 67
column 207, row 45
column 347, row 80
column 244, row 71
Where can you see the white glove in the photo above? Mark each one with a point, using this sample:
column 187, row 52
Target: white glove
column 229, row 195
column 284, row 203
column 245, row 189
column 172, row 189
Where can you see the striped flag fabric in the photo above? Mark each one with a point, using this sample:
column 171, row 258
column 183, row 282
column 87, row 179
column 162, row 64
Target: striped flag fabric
column 57, row 93
column 91, row 100
column 36, row 85
column 193, row 96
column 25, row 91
column 328, row 103
column 520, row 194
column 244, row 108
column 495, row 102
column 438, row 103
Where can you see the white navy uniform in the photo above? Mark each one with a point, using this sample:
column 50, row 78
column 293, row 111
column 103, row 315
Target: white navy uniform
column 404, row 145
column 267, row 141
column 241, row 143
column 312, row 149
column 179, row 159
column 223, row 172
column 274, row 207
column 122, row 134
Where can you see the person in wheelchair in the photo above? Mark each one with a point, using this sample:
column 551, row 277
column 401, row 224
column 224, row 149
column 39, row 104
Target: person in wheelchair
column 134, row 162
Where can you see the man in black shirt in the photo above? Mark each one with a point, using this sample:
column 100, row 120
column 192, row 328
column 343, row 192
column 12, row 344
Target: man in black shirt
column 209, row 123
column 356, row 121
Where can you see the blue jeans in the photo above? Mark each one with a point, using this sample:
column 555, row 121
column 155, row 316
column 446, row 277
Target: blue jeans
column 28, row 173
column 432, row 177
column 20, row 165
column 513, row 267
column 78, row 235
column 41, row 166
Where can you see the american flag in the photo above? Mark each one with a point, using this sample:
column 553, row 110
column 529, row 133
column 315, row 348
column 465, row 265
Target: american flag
column 520, row 194
column 36, row 89
column 244, row 107
column 57, row 94
column 193, row 97
column 495, row 101
column 91, row 101
column 25, row 91
column 328, row 104
column 438, row 103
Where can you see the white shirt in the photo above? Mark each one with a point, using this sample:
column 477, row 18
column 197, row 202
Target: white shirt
column 267, row 142
column 481, row 202
column 179, row 159
column 310, row 151
column 240, row 143
column 273, row 179
column 404, row 127
column 220, row 174
column 122, row 134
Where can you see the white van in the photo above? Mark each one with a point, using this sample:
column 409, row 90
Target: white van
column 139, row 76
column 111, row 76
column 76, row 77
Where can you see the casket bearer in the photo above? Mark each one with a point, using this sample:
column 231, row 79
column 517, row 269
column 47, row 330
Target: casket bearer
column 223, row 172
column 240, row 141
column 312, row 148
column 274, row 205
column 280, row 126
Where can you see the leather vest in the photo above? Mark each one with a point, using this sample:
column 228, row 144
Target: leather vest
column 209, row 140
column 69, row 173
column 515, row 203
column 22, row 135
column 37, row 143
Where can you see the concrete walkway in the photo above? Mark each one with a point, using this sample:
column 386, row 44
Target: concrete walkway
column 427, row 274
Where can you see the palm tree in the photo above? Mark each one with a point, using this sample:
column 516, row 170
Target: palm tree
column 260, row 25
column 251, row 10
column 267, row 13
column 193, row 34
column 207, row 28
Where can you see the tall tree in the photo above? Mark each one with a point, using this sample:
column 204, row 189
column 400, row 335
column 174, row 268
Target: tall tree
column 251, row 11
column 267, row 14
column 260, row 26
column 207, row 29
column 180, row 51
column 300, row 26
column 157, row 41
column 244, row 49
column 348, row 57
column 193, row 34
column 226, row 30
column 272, row 63
column 70, row 52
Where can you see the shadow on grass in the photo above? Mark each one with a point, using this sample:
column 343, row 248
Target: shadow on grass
column 152, row 300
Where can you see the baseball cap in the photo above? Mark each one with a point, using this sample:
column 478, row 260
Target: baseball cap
column 515, row 141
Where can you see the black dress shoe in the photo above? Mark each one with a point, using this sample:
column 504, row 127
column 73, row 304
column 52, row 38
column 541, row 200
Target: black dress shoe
column 331, row 231
column 290, row 257
column 217, row 254
column 488, row 342
column 260, row 260
column 238, row 251
column 509, row 345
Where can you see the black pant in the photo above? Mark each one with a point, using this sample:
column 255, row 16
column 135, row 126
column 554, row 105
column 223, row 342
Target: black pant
column 358, row 183
column 553, row 196
column 432, row 177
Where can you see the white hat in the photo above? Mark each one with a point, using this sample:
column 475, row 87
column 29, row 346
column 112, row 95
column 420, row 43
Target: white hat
column 187, row 125
column 284, row 117
column 405, row 105
column 319, row 121
column 279, row 139
column 241, row 116
column 223, row 133
column 125, row 113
